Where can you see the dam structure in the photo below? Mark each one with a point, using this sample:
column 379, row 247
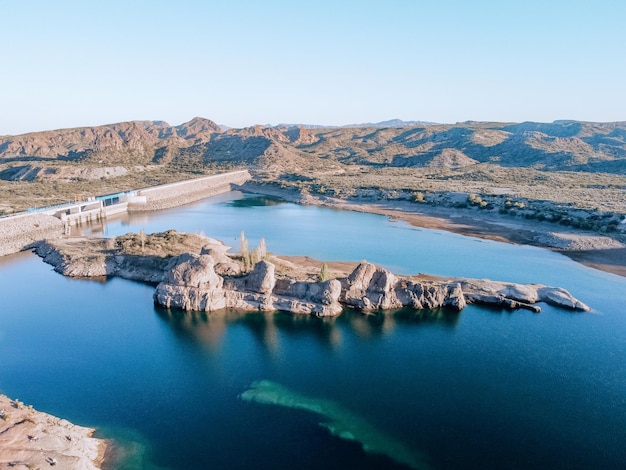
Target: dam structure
column 19, row 231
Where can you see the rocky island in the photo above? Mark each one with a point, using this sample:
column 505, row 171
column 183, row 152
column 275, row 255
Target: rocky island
column 196, row 273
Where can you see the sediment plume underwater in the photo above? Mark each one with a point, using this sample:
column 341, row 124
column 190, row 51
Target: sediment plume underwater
column 339, row 421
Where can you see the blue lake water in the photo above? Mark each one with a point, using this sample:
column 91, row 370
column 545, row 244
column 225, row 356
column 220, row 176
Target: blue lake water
column 484, row 388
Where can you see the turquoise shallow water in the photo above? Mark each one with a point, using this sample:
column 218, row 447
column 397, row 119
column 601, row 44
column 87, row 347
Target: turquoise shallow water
column 481, row 389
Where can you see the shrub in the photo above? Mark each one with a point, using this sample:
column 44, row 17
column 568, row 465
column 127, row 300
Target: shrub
column 474, row 199
column 418, row 196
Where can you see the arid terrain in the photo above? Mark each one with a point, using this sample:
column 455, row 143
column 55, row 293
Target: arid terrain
column 502, row 179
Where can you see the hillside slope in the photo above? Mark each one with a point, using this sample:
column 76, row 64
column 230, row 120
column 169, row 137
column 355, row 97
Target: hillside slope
column 579, row 163
column 558, row 146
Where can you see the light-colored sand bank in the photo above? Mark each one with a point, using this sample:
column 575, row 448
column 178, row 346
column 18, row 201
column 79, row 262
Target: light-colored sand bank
column 32, row 439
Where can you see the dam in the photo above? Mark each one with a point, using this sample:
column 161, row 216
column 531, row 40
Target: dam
column 19, row 231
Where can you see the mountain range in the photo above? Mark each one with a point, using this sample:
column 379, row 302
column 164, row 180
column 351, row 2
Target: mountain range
column 556, row 146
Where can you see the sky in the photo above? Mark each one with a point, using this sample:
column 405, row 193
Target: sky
column 239, row 63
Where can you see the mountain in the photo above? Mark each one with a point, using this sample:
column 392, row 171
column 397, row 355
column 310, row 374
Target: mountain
column 389, row 123
column 392, row 123
column 557, row 146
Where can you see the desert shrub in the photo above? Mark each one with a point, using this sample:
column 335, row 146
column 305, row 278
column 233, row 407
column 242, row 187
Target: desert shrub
column 418, row 196
column 474, row 199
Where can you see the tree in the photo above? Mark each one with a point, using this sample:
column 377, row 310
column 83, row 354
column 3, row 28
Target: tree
column 324, row 274
column 261, row 250
column 244, row 251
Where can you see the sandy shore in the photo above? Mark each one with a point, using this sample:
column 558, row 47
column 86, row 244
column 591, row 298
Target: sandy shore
column 32, row 439
column 594, row 250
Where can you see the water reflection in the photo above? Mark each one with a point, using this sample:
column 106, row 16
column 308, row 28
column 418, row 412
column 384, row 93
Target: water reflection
column 259, row 201
column 269, row 328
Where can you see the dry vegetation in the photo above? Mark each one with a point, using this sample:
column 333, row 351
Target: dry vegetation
column 573, row 173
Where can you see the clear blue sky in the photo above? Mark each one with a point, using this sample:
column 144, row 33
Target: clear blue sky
column 239, row 63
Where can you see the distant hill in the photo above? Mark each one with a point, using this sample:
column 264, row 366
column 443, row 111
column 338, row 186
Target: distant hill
column 392, row 123
column 389, row 123
column 557, row 146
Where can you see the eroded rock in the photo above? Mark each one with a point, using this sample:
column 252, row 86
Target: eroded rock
column 209, row 279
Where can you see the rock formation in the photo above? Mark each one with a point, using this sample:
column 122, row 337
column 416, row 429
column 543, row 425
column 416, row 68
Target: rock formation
column 33, row 439
column 125, row 256
column 196, row 273
column 194, row 285
column 371, row 287
column 518, row 295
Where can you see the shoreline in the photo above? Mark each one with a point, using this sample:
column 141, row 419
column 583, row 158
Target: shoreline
column 34, row 439
column 591, row 249
column 611, row 259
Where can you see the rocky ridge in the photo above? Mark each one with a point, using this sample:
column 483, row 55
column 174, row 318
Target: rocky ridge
column 194, row 285
column 196, row 273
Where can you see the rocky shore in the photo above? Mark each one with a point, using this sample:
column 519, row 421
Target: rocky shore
column 32, row 439
column 197, row 273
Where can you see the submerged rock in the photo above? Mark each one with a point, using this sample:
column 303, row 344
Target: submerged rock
column 339, row 421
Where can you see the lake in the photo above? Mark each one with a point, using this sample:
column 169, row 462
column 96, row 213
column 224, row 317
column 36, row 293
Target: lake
column 483, row 388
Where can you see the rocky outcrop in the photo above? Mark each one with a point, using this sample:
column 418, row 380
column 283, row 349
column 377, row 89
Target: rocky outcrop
column 194, row 285
column 196, row 273
column 126, row 258
column 33, row 439
column 370, row 287
column 518, row 295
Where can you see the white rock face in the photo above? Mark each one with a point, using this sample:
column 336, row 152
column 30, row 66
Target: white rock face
column 518, row 295
column 560, row 298
column 370, row 287
column 192, row 284
column 195, row 271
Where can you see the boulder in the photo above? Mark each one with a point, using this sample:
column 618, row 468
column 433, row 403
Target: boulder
column 194, row 271
column 261, row 280
column 370, row 287
column 316, row 298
